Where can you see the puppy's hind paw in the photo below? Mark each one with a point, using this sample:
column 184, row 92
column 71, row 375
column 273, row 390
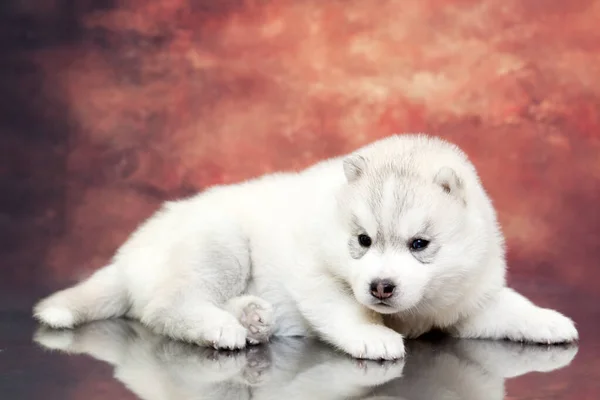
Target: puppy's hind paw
column 256, row 315
column 257, row 318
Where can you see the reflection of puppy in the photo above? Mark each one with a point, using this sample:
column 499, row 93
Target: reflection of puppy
column 470, row 369
column 402, row 227
column 155, row 367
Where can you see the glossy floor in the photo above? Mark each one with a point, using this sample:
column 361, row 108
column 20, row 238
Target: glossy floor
column 122, row 360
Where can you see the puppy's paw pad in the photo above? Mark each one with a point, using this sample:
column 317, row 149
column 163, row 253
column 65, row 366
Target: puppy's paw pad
column 257, row 318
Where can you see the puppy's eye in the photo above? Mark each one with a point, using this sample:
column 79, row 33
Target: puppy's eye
column 364, row 240
column 419, row 244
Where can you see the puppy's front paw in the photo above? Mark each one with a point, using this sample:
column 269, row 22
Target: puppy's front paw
column 373, row 342
column 548, row 327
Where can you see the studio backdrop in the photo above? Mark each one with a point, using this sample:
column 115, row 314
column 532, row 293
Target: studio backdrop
column 110, row 107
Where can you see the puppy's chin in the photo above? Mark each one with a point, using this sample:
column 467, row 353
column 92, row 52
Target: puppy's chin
column 372, row 304
column 394, row 306
column 383, row 309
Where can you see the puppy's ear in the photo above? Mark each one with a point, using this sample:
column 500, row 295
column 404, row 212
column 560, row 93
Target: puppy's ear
column 450, row 182
column 354, row 167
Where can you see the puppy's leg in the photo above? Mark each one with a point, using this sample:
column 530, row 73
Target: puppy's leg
column 510, row 315
column 211, row 268
column 255, row 314
column 340, row 320
column 192, row 318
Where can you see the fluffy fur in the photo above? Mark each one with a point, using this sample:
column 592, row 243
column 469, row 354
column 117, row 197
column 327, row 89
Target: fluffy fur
column 286, row 255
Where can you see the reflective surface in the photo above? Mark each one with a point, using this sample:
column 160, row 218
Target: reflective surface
column 121, row 359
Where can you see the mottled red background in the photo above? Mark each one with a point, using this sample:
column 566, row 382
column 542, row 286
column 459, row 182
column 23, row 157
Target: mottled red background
column 110, row 107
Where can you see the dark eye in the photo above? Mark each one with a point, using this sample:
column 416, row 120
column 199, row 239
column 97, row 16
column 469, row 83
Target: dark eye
column 364, row 240
column 419, row 244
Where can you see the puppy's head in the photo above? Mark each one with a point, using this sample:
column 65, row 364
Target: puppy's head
column 410, row 233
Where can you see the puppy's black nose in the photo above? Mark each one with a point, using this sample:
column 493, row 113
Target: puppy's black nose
column 382, row 288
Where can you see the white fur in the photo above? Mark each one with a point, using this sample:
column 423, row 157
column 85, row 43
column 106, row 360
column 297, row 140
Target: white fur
column 57, row 317
column 286, row 245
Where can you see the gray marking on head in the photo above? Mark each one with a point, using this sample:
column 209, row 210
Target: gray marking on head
column 356, row 250
column 388, row 211
column 427, row 255
column 402, row 197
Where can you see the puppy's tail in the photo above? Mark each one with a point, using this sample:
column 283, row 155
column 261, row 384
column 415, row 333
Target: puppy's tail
column 101, row 296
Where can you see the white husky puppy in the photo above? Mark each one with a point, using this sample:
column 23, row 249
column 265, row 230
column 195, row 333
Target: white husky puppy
column 400, row 228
